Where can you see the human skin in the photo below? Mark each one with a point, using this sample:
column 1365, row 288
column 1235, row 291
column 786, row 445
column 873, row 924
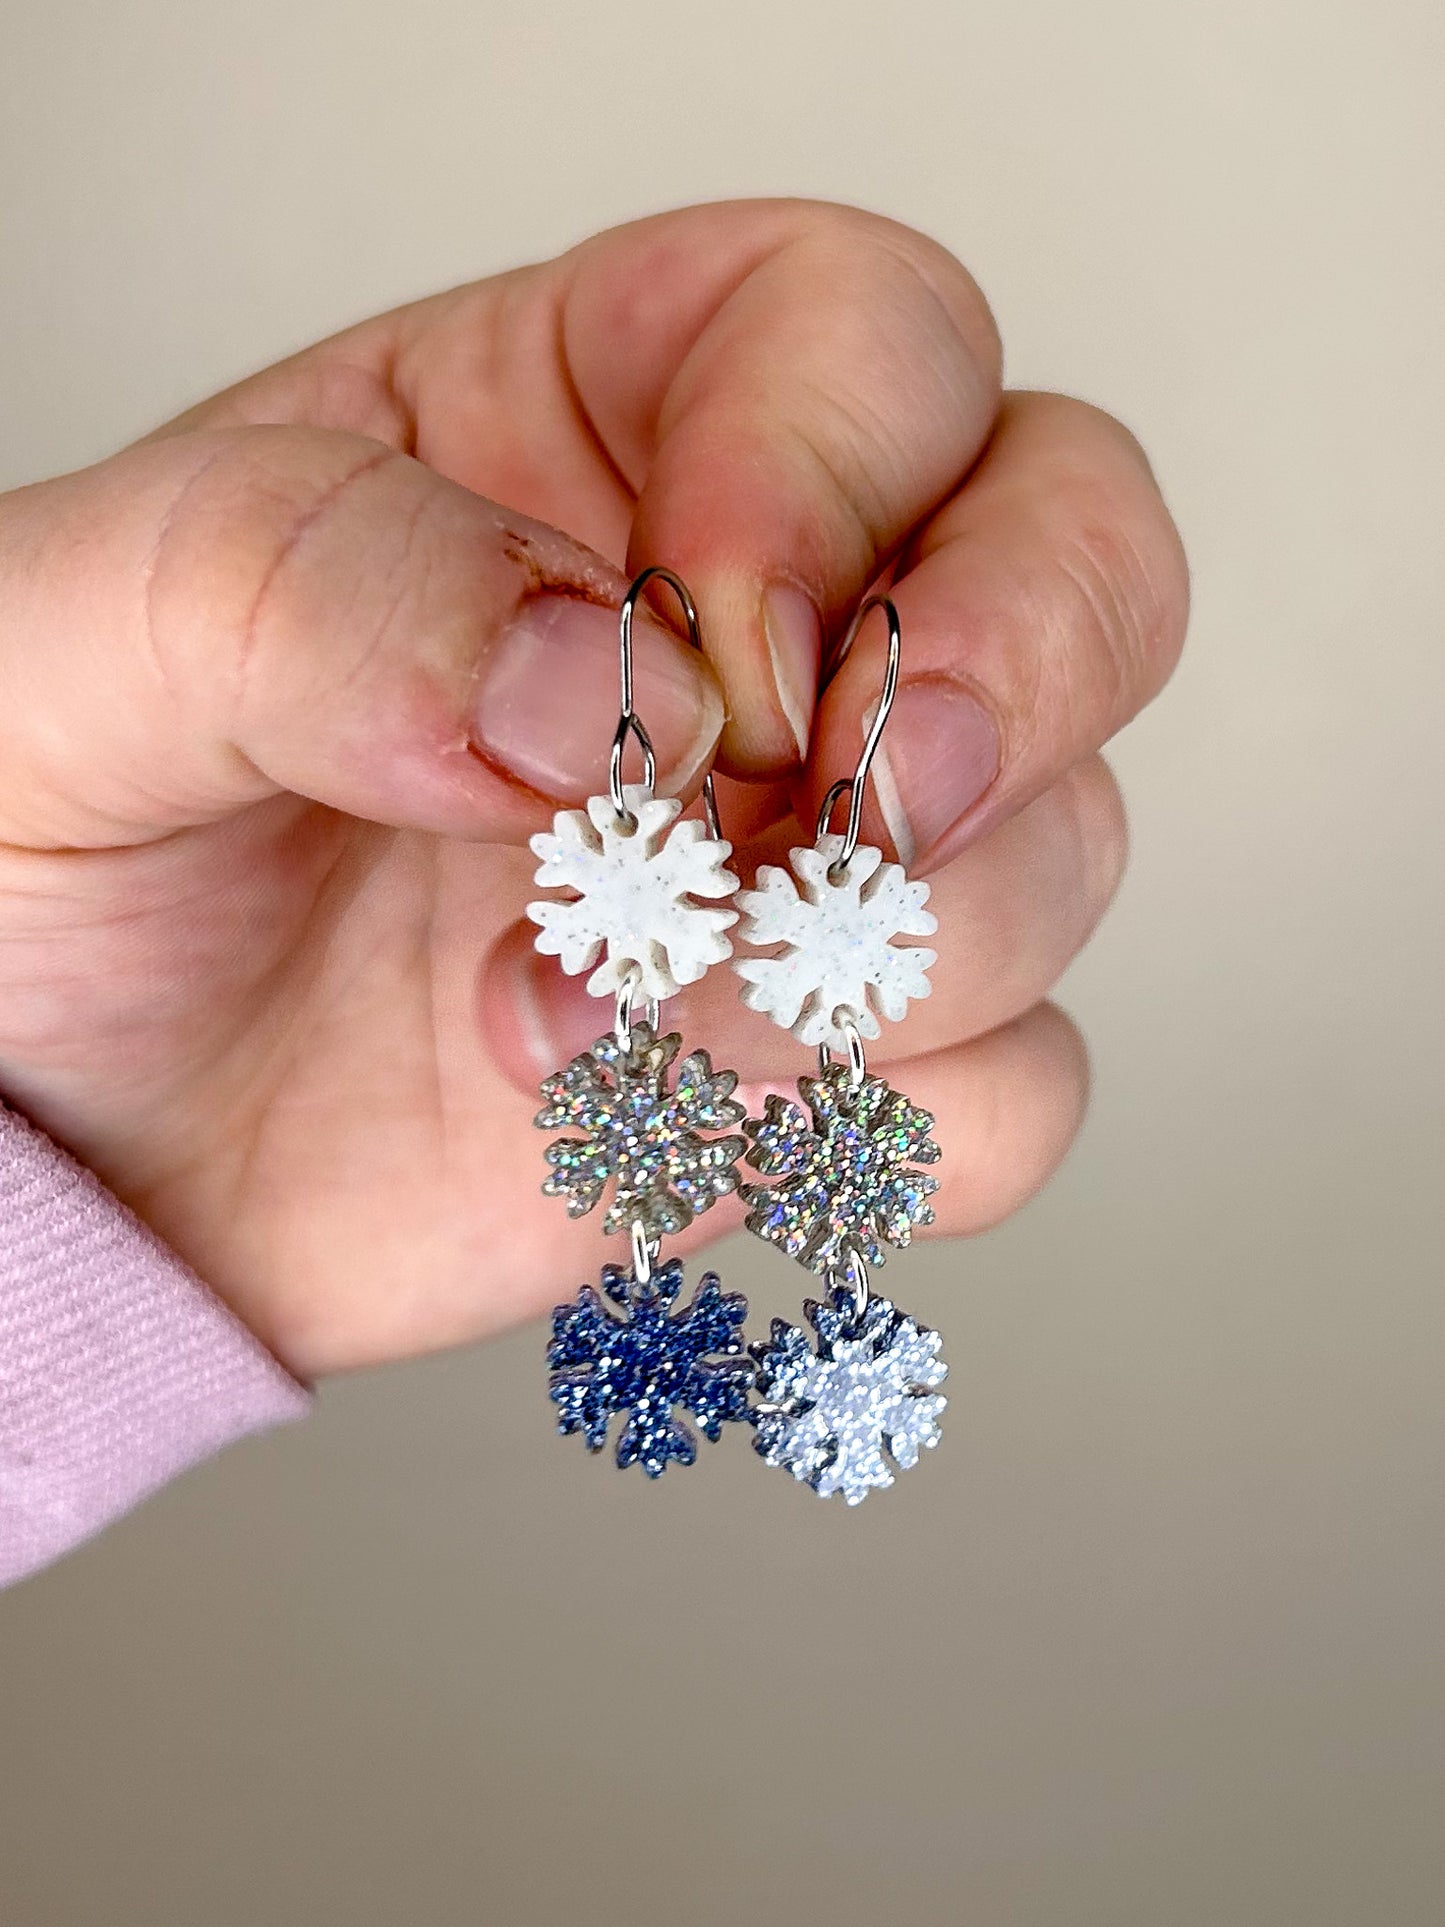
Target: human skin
column 285, row 688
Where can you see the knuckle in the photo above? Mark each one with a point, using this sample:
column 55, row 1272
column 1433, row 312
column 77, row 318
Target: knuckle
column 958, row 295
column 1101, row 829
column 1032, row 1114
column 1113, row 528
column 850, row 459
column 332, row 386
column 1080, row 427
column 1126, row 550
column 1069, row 1087
column 330, row 389
column 1125, row 600
column 892, row 248
column 252, row 498
column 909, row 384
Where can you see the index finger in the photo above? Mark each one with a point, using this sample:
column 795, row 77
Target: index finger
column 765, row 396
column 817, row 381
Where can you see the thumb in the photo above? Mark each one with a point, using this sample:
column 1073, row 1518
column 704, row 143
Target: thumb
column 202, row 622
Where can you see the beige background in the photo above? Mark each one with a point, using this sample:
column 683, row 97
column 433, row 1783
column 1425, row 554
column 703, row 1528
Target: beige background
column 1156, row 1637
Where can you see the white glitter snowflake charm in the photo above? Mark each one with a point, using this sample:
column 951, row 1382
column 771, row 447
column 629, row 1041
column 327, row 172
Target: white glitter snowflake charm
column 871, row 1386
column 635, row 892
column 838, row 952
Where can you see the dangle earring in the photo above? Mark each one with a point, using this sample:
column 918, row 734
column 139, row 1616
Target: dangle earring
column 846, row 1183
column 642, row 1126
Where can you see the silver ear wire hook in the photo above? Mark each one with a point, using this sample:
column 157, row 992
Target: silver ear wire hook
column 629, row 721
column 853, row 786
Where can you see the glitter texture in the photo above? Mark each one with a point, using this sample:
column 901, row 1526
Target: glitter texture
column 634, row 894
column 838, row 952
column 846, row 1176
column 649, row 1363
column 868, row 1386
column 641, row 1133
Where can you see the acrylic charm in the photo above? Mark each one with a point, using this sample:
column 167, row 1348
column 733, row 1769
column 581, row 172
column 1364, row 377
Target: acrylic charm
column 843, row 1173
column 834, row 1416
column 845, row 1168
column 636, row 893
column 837, row 942
column 651, row 1134
column 635, row 871
column 650, row 1364
column 642, row 1133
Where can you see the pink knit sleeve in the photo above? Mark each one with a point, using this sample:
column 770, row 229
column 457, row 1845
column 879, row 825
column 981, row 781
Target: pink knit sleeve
column 118, row 1368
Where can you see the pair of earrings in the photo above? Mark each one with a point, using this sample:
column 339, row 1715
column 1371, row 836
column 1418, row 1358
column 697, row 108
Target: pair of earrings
column 840, row 1175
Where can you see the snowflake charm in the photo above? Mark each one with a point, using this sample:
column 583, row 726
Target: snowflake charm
column 838, row 951
column 641, row 1133
column 847, row 1181
column 635, row 891
column 869, row 1385
column 649, row 1363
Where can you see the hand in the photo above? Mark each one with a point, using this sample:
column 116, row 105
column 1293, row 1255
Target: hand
column 286, row 691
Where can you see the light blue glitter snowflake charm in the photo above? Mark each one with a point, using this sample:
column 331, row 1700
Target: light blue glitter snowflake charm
column 651, row 1363
column 871, row 1385
column 847, row 1181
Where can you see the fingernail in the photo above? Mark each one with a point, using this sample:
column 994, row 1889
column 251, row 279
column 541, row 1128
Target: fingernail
column 548, row 700
column 795, row 642
column 938, row 757
column 547, row 1017
column 534, row 1017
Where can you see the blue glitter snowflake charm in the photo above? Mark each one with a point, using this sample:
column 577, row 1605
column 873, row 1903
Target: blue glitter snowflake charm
column 650, row 1363
column 846, row 1177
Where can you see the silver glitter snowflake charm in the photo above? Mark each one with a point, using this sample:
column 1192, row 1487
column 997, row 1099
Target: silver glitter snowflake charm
column 846, row 1176
column 838, row 952
column 635, row 892
column 642, row 1133
column 870, row 1387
